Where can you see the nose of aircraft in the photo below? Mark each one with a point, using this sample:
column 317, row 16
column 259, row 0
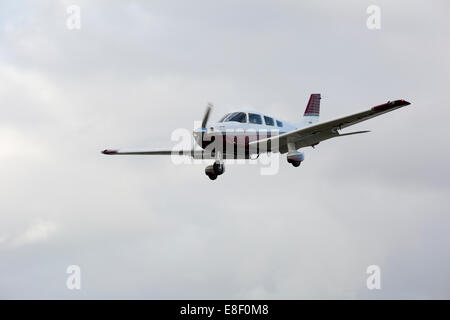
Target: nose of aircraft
column 199, row 131
column 198, row 134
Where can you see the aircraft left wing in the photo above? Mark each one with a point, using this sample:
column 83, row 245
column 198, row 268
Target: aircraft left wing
column 196, row 154
column 312, row 135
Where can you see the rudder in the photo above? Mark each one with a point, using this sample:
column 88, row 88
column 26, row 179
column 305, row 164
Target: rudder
column 312, row 110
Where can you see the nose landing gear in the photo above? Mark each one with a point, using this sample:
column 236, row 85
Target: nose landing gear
column 214, row 170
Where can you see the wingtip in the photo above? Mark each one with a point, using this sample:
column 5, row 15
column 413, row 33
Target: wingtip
column 391, row 105
column 106, row 151
column 402, row 102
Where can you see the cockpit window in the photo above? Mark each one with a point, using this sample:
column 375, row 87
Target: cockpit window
column 235, row 116
column 279, row 123
column 269, row 121
column 224, row 117
column 238, row 117
column 254, row 118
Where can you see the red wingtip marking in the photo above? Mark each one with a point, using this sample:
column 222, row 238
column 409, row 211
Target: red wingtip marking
column 384, row 106
column 391, row 105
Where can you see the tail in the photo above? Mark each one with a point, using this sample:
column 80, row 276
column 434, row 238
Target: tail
column 312, row 111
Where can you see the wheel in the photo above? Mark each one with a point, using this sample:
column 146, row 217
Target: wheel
column 296, row 163
column 212, row 176
column 218, row 168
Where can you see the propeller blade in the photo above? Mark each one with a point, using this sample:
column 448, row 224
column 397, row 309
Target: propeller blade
column 206, row 116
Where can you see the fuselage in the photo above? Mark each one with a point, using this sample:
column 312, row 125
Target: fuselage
column 238, row 129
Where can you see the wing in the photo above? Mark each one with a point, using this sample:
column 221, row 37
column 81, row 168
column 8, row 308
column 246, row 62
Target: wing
column 196, row 154
column 312, row 135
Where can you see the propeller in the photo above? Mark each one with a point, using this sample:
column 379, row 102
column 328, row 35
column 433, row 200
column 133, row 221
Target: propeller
column 206, row 116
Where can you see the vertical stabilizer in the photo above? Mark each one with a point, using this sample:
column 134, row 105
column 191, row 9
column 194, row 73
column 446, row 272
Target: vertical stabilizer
column 312, row 111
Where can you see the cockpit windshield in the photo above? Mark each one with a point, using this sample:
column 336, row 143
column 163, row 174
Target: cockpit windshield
column 224, row 117
column 235, row 116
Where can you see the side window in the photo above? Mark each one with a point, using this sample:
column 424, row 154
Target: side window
column 269, row 121
column 254, row 118
column 279, row 124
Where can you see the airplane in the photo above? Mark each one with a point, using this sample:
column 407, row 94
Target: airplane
column 247, row 134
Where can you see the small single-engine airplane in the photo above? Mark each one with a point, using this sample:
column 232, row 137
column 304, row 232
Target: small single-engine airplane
column 247, row 134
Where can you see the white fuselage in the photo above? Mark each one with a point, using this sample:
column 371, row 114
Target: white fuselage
column 242, row 128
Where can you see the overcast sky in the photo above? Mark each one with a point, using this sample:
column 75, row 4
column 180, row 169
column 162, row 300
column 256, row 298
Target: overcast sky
column 142, row 227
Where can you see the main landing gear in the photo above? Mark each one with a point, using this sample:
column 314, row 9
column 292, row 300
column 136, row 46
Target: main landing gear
column 294, row 157
column 215, row 169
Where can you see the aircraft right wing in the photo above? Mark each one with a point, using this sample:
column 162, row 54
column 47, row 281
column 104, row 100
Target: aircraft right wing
column 312, row 135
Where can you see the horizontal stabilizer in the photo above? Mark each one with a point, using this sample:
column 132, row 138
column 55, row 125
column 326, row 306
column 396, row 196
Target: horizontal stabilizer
column 350, row 133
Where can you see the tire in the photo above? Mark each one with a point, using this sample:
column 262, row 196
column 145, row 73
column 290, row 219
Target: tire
column 296, row 163
column 212, row 176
